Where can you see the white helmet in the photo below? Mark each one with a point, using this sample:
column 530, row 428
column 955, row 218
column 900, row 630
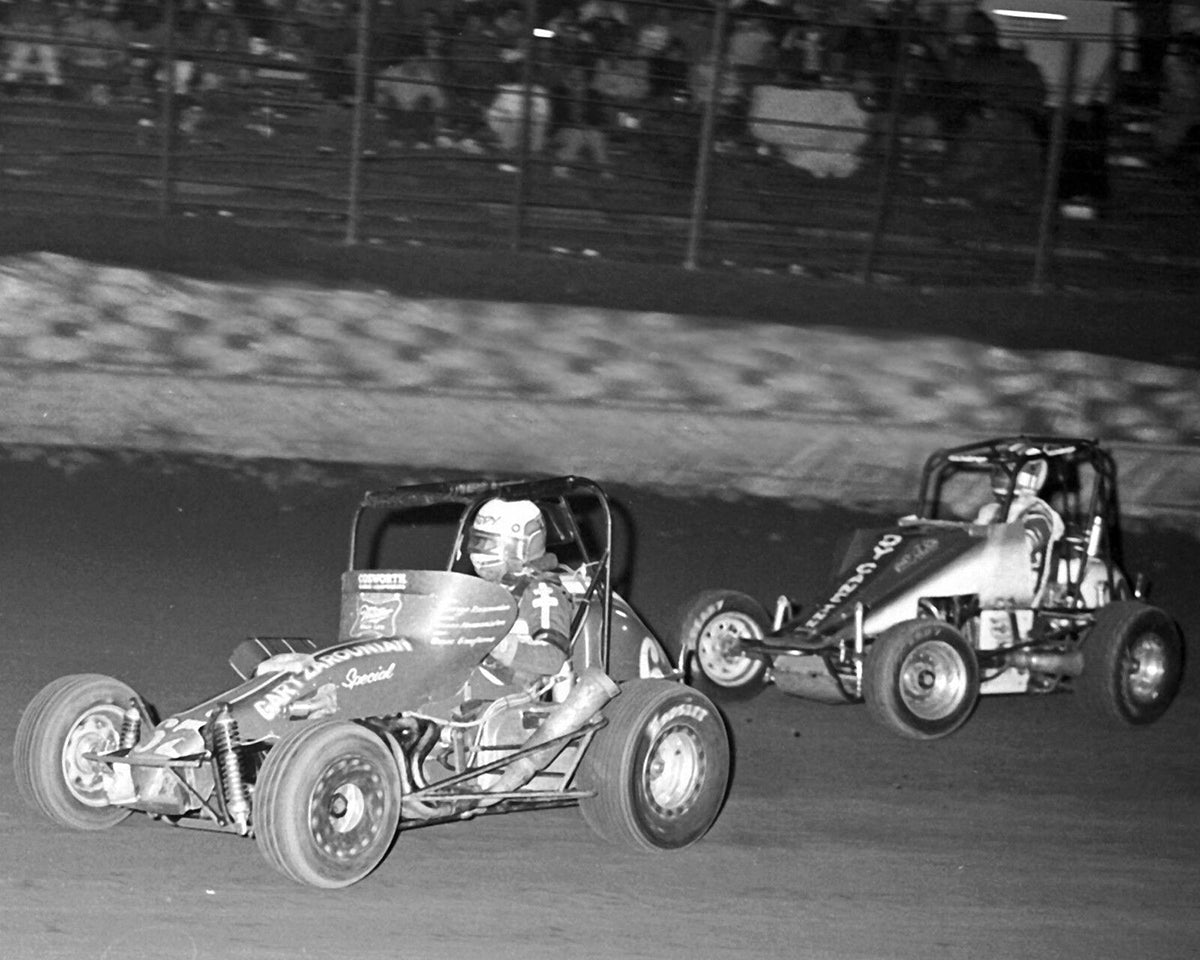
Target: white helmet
column 506, row 534
column 1031, row 477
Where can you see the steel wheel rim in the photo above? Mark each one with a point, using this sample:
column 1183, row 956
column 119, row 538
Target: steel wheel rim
column 346, row 808
column 674, row 771
column 96, row 731
column 1146, row 665
column 713, row 647
column 933, row 680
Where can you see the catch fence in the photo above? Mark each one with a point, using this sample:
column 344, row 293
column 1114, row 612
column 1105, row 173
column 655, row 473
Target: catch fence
column 709, row 136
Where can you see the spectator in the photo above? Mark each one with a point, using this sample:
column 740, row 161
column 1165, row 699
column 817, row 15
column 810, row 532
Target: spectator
column 1174, row 132
column 668, row 71
column 752, row 52
column 695, row 31
column 223, row 50
column 510, row 31
column 414, row 92
column 286, row 43
column 574, row 41
column 655, row 34
column 94, row 51
column 803, row 47
column 595, row 10
column 32, row 47
column 138, row 21
column 508, row 117
column 475, row 72
column 995, row 130
column 621, row 78
column 333, row 43
column 580, row 122
column 259, row 18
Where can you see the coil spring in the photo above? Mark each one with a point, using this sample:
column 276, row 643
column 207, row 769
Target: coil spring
column 131, row 726
column 226, row 743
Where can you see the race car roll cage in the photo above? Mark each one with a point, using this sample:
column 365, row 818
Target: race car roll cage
column 1091, row 530
column 551, row 494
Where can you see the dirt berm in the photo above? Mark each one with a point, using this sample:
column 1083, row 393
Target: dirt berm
column 203, row 336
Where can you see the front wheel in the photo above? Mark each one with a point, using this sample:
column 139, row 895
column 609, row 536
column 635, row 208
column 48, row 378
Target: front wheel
column 659, row 768
column 327, row 804
column 711, row 625
column 70, row 718
column 1133, row 663
column 921, row 679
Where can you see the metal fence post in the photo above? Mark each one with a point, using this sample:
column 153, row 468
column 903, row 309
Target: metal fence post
column 166, row 160
column 1054, row 160
column 707, row 128
column 362, row 68
column 883, row 197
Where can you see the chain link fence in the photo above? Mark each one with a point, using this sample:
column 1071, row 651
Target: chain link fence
column 902, row 142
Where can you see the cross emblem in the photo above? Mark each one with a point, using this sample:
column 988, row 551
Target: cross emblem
column 545, row 601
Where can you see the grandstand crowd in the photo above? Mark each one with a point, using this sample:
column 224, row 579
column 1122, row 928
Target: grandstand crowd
column 561, row 78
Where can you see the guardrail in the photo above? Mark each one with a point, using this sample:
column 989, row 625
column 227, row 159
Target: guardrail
column 895, row 157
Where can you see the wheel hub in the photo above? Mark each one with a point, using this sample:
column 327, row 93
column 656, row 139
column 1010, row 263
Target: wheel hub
column 933, row 680
column 1146, row 668
column 95, row 732
column 347, row 807
column 675, row 770
column 715, row 647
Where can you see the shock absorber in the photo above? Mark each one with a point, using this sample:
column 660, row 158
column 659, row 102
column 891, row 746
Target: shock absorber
column 226, row 750
column 131, row 726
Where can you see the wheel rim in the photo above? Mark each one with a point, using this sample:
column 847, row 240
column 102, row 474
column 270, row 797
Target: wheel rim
column 714, row 648
column 933, row 680
column 346, row 809
column 1146, row 667
column 674, row 771
column 96, row 731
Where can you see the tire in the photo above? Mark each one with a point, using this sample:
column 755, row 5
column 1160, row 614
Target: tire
column 921, row 679
column 659, row 768
column 327, row 804
column 709, row 625
column 1132, row 664
column 71, row 716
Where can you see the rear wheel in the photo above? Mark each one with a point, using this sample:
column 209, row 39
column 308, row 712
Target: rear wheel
column 327, row 804
column 659, row 767
column 71, row 717
column 921, row 679
column 1133, row 663
column 711, row 625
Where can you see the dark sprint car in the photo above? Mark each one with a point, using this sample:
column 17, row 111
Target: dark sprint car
column 322, row 753
column 1026, row 594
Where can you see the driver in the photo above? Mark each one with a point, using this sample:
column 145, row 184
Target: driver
column 507, row 545
column 1042, row 523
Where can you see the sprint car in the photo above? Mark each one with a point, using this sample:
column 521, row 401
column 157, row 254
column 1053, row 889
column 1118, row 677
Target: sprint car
column 967, row 596
column 322, row 753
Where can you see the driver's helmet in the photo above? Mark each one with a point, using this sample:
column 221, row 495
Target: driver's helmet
column 1029, row 479
column 505, row 535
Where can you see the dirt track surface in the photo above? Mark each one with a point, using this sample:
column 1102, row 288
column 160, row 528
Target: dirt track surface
column 1031, row 833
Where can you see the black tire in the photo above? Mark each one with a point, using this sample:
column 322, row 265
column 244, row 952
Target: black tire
column 1132, row 664
column 921, row 679
column 708, row 625
column 659, row 768
column 327, row 804
column 69, row 717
